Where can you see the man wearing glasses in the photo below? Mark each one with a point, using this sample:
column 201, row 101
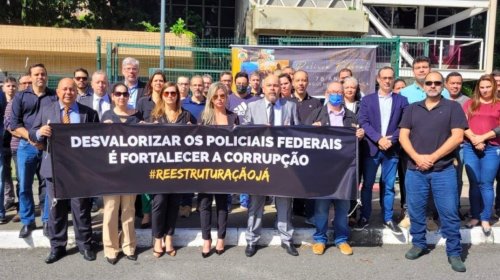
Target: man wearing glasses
column 430, row 168
column 24, row 82
column 81, row 78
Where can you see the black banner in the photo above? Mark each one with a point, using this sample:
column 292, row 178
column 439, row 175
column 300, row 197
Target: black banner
column 102, row 159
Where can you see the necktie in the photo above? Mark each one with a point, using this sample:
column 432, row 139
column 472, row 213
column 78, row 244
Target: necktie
column 99, row 107
column 65, row 118
column 271, row 114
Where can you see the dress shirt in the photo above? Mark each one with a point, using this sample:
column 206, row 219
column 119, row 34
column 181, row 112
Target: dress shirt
column 385, row 106
column 336, row 118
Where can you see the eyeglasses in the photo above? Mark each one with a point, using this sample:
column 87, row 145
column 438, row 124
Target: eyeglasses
column 81, row 78
column 436, row 83
column 169, row 93
column 121, row 93
column 221, row 96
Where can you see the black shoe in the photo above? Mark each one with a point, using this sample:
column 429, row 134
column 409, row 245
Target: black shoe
column 3, row 220
column 88, row 254
column 26, row 230
column 487, row 232
column 112, row 261
column 55, row 256
column 250, row 250
column 457, row 264
column 46, row 230
column 361, row 225
column 94, row 208
column 290, row 249
column 132, row 257
column 393, row 227
column 10, row 206
column 415, row 253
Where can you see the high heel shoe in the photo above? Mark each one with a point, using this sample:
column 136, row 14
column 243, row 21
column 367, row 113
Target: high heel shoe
column 206, row 255
column 219, row 252
column 171, row 253
column 158, row 254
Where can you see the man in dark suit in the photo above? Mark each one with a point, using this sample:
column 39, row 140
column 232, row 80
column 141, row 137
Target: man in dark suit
column 130, row 72
column 270, row 110
column 379, row 116
column 65, row 110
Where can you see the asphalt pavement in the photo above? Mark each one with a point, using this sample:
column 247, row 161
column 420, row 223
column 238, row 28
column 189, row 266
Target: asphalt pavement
column 385, row 262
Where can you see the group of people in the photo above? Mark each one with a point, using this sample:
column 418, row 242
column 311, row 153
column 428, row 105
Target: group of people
column 427, row 132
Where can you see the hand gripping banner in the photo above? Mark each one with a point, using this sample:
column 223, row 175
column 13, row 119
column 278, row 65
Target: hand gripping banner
column 294, row 161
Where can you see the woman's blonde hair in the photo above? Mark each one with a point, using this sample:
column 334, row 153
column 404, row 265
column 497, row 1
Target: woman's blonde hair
column 208, row 114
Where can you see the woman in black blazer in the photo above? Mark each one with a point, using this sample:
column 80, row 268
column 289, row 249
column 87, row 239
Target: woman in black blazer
column 165, row 206
column 215, row 113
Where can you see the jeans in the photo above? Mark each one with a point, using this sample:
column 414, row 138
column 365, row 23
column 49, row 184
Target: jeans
column 444, row 190
column 460, row 170
column 28, row 157
column 481, row 168
column 340, row 225
column 497, row 198
column 244, row 200
column 388, row 178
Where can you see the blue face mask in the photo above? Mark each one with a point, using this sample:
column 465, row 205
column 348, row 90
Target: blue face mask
column 335, row 99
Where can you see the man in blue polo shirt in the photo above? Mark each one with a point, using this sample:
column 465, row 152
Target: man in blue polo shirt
column 25, row 106
column 195, row 105
column 430, row 131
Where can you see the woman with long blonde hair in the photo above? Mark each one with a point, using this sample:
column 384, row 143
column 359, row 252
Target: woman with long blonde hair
column 215, row 113
column 482, row 150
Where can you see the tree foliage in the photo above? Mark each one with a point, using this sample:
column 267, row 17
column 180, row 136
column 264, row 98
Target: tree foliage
column 107, row 14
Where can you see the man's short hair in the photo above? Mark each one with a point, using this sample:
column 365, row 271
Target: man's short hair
column 241, row 75
column 130, row 60
column 436, row 72
column 385, row 68
column 226, row 73
column 453, row 74
column 346, row 70
column 208, row 76
column 35, row 66
column 81, row 70
column 99, row 72
column 419, row 59
column 495, row 73
column 10, row 79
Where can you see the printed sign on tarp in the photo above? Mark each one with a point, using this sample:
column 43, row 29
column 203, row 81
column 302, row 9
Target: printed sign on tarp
column 103, row 159
column 323, row 64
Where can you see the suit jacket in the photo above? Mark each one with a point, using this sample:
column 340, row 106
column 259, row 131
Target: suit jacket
column 370, row 120
column 52, row 112
column 321, row 115
column 88, row 100
column 256, row 112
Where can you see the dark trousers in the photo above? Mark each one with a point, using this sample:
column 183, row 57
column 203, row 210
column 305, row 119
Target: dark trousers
column 164, row 211
column 206, row 214
column 58, row 221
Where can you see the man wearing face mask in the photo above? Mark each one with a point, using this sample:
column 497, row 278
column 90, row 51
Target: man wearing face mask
column 333, row 114
column 238, row 100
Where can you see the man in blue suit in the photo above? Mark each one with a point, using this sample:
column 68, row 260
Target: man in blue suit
column 379, row 116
